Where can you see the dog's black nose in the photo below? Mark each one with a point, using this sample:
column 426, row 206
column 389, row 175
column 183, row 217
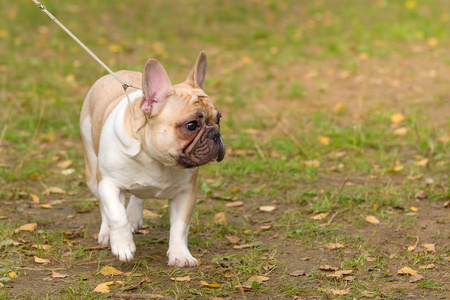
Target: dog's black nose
column 214, row 134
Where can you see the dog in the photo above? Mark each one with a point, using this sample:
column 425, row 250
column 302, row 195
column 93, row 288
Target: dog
column 149, row 145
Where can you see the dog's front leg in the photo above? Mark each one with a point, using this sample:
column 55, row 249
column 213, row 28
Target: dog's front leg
column 181, row 211
column 121, row 236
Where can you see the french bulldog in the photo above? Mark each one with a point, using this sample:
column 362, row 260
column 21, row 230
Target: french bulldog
column 148, row 146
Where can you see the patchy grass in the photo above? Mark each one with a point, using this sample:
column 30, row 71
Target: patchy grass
column 337, row 108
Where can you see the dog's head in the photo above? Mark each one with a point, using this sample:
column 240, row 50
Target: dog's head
column 183, row 123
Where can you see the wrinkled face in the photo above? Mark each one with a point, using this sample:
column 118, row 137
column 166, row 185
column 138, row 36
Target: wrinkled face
column 187, row 130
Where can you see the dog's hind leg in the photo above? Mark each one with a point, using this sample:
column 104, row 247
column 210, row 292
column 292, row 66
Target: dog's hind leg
column 135, row 212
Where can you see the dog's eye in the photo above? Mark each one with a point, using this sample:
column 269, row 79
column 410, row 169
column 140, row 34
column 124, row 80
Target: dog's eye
column 191, row 126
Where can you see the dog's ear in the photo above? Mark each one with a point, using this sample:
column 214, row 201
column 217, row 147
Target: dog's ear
column 155, row 86
column 196, row 77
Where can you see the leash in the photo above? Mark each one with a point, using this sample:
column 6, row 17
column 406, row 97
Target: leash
column 124, row 84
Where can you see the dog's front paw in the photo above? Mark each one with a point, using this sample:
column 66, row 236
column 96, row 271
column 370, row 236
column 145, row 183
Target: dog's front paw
column 103, row 235
column 181, row 257
column 122, row 244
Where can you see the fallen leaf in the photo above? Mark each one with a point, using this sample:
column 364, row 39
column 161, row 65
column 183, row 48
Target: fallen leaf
column 349, row 278
column 397, row 168
column 181, row 279
column 53, row 190
column 35, row 198
column 397, row 118
column 338, row 292
column 370, row 259
column 233, row 239
column 320, row 216
column 148, row 214
column 415, row 278
column 67, row 172
column 244, row 246
column 372, row 219
column 401, row 131
column 446, row 204
column 413, row 208
column 103, row 287
column 409, row 177
column 297, row 273
column 3, row 217
column 46, row 206
column 267, row 208
column 407, row 270
column 129, row 274
column 12, row 275
column 368, row 294
column 44, row 247
column 335, row 246
column 306, row 258
column 426, row 267
column 210, row 285
column 420, row 195
column 1, row 285
column 269, row 267
column 220, row 218
column 110, row 271
column 429, row 247
column 422, row 162
column 312, row 163
column 64, row 164
column 235, row 204
column 58, row 275
column 338, row 107
column 328, row 268
column 343, row 272
column 324, row 139
column 266, row 227
column 41, row 260
column 27, row 227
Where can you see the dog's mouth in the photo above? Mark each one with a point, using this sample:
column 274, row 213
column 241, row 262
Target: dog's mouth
column 208, row 147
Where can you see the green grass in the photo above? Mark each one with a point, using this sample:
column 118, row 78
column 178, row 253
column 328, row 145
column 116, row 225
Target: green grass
column 285, row 75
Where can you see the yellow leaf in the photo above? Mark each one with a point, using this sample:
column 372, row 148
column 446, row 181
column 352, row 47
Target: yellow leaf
column 114, row 48
column 320, row 216
column 35, row 198
column 421, row 163
column 103, row 287
column 27, row 227
column 413, row 208
column 324, row 139
column 339, row 107
column 211, row 285
column 179, row 279
column 41, row 260
column 3, row 33
column 410, row 4
column 46, row 206
column 58, row 275
column 220, row 218
column 372, row 219
column 407, row 270
column 110, row 271
column 267, row 208
column 432, row 42
column 397, row 118
column 12, row 275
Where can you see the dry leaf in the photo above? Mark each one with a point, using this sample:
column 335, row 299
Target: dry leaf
column 210, row 285
column 41, row 260
column 220, row 218
column 266, row 227
column 3, row 217
column 320, row 216
column 148, row 214
column 45, row 247
column 344, row 272
column 413, row 208
column 338, row 107
column 129, row 274
column 46, row 206
column 110, row 271
column 64, row 164
column 368, row 294
column 429, row 266
column 429, row 247
column 397, row 168
column 35, row 198
column 338, row 292
column 312, row 163
column 267, row 208
column 349, row 278
column 297, row 273
column 53, row 190
column 233, row 239
column 328, row 268
column 58, row 275
column 234, row 204
column 370, row 259
column 244, row 246
column 372, row 219
column 324, row 139
column 27, row 227
column 306, row 258
column 420, row 195
column 422, row 162
column 397, row 118
column 103, row 287
column 401, row 131
column 407, row 270
column 12, row 275
column 415, row 278
column 335, row 246
column 67, row 172
column 180, row 279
